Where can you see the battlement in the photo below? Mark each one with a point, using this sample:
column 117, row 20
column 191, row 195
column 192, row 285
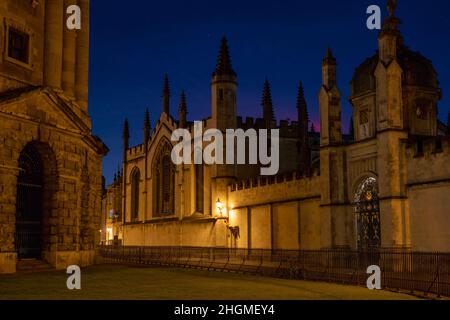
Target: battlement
column 136, row 150
column 190, row 125
column 427, row 159
column 287, row 129
column 261, row 181
column 424, row 147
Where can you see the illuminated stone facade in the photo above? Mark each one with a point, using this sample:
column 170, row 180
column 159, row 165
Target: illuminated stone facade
column 50, row 163
column 386, row 187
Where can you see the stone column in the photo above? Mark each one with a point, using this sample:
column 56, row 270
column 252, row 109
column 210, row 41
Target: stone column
column 392, row 193
column 69, row 56
column 54, row 16
column 82, row 56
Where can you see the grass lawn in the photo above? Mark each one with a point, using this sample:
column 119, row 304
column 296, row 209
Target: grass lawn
column 124, row 282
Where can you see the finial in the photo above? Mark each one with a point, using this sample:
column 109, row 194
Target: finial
column 126, row 130
column 147, row 125
column 329, row 58
column 301, row 106
column 392, row 6
column 267, row 103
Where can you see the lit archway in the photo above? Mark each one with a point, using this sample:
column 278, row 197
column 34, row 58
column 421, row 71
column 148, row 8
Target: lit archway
column 367, row 211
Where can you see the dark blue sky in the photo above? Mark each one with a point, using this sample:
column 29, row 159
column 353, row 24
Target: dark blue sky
column 134, row 44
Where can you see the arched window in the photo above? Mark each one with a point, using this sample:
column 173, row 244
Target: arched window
column 135, row 180
column 164, row 185
column 368, row 214
column 199, row 188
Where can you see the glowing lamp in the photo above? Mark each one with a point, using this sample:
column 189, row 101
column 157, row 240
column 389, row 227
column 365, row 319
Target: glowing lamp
column 219, row 207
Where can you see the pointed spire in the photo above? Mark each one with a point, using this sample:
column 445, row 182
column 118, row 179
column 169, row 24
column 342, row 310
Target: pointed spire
column 126, row 138
column 392, row 6
column 329, row 67
column 166, row 95
column 329, row 58
column 301, row 106
column 313, row 129
column 126, row 130
column 182, row 111
column 448, row 124
column 303, row 137
column 268, row 114
column 351, row 130
column 147, row 126
column 223, row 65
column 115, row 178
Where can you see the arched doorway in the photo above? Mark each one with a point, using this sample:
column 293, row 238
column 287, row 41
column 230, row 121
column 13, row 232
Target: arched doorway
column 367, row 211
column 29, row 205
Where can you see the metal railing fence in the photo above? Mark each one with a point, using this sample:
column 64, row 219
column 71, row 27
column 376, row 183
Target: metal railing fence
column 416, row 272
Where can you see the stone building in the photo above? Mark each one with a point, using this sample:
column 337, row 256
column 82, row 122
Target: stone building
column 385, row 186
column 50, row 163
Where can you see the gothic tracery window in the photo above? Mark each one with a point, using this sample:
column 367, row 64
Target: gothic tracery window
column 164, row 185
column 135, row 179
column 368, row 214
column 199, row 188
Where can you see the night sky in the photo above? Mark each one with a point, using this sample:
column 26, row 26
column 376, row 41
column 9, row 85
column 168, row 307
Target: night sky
column 133, row 45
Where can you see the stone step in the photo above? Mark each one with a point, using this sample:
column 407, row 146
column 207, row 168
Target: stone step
column 32, row 265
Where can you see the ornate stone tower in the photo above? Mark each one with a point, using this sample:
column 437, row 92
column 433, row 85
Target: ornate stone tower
column 390, row 133
column 332, row 159
column 330, row 103
column 223, row 87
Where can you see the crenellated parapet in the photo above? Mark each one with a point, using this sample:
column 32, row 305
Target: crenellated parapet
column 288, row 129
column 259, row 190
column 428, row 159
column 136, row 151
column 261, row 181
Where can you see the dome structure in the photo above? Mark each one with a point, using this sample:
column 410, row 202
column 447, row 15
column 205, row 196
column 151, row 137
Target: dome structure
column 417, row 71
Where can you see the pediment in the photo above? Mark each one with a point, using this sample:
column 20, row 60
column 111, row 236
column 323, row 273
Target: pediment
column 42, row 105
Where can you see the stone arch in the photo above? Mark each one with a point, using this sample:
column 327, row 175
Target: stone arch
column 367, row 212
column 163, row 176
column 35, row 202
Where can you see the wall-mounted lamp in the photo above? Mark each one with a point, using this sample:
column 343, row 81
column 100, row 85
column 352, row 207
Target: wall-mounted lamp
column 220, row 208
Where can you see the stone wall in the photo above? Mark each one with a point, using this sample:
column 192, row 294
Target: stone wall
column 275, row 213
column 428, row 190
column 72, row 178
